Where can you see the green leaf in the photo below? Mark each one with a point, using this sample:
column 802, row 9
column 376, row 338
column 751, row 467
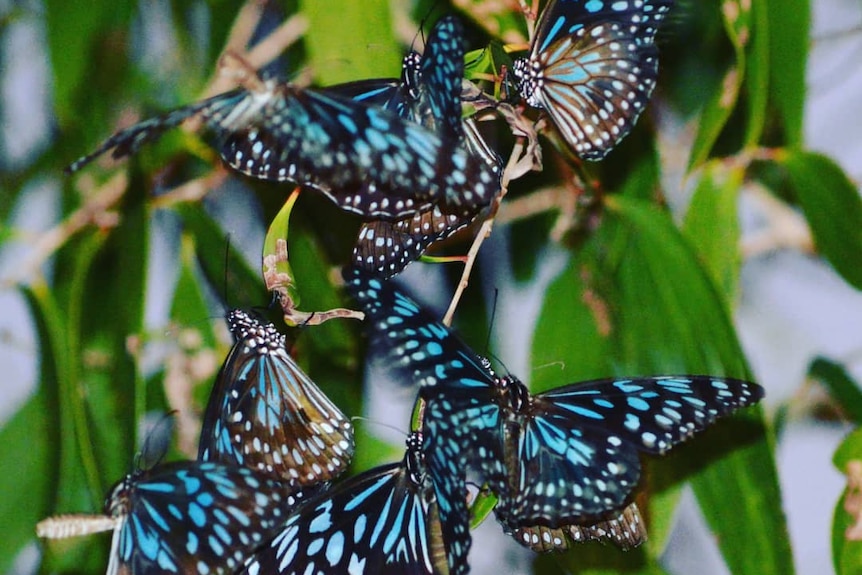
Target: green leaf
column 74, row 36
column 758, row 59
column 840, row 385
column 849, row 450
column 28, row 454
column 847, row 554
column 832, row 207
column 714, row 117
column 233, row 274
column 711, row 225
column 351, row 40
column 789, row 26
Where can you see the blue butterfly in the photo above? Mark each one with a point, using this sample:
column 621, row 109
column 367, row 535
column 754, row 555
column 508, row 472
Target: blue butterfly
column 192, row 517
column 568, row 456
column 382, row 521
column 428, row 93
column 366, row 159
column 593, row 65
column 266, row 414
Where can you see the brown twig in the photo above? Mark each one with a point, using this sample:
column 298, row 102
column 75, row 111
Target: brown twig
column 95, row 211
column 515, row 160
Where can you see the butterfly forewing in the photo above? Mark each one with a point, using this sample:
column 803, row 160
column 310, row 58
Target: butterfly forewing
column 593, row 67
column 194, row 518
column 381, row 521
column 267, row 414
column 128, row 141
column 366, row 159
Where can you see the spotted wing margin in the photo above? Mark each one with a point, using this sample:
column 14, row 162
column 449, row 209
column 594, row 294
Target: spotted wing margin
column 626, row 529
column 195, row 517
column 377, row 522
column 128, row 141
column 365, row 159
column 385, row 248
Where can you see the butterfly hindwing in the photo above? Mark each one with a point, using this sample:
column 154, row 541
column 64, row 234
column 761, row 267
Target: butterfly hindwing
column 267, row 414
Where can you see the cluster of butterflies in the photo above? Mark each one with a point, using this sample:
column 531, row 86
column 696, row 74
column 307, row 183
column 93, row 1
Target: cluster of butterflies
column 398, row 153
column 264, row 495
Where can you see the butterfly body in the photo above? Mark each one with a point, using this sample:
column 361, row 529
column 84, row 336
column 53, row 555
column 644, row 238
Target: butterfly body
column 267, row 414
column 192, row 517
column 592, row 66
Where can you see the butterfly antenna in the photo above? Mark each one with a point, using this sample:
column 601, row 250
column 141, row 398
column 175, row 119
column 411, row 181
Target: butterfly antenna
column 225, row 296
column 492, row 320
column 398, row 430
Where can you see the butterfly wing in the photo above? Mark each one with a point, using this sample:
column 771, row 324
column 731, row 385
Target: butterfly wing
column 128, row 141
column 577, row 453
column 195, row 517
column 365, row 159
column 593, row 67
column 267, row 414
column 381, row 521
column 626, row 529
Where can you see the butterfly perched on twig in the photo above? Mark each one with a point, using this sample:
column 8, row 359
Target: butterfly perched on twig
column 592, row 67
column 567, row 456
column 267, row 414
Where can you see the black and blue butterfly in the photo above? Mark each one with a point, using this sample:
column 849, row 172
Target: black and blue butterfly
column 592, row 66
column 265, row 413
column 428, row 93
column 366, row 159
column 193, row 517
column 382, row 521
column 568, row 456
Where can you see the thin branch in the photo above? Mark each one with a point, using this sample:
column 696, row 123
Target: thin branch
column 96, row 210
column 513, row 166
column 785, row 228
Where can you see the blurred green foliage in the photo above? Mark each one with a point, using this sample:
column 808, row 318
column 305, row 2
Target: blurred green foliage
column 638, row 294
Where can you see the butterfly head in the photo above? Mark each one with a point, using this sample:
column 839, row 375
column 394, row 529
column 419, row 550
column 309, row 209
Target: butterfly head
column 118, row 503
column 257, row 336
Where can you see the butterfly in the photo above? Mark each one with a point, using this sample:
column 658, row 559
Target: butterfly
column 384, row 520
column 592, row 66
column 568, row 456
column 193, row 517
column 266, row 414
column 366, row 159
column 428, row 93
